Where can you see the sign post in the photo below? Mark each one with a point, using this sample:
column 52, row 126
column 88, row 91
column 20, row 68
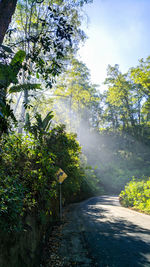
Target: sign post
column 61, row 175
column 60, row 202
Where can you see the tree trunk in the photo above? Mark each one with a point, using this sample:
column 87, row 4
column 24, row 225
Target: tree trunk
column 23, row 111
column 7, row 9
column 130, row 113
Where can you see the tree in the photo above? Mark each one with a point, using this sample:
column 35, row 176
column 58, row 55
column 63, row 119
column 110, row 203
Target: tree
column 140, row 76
column 119, row 95
column 8, row 75
column 79, row 96
column 7, row 9
column 48, row 32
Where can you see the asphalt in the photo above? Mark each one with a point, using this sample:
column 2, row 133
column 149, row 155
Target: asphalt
column 101, row 233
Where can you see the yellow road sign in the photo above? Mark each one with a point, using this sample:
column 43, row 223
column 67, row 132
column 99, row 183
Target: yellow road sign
column 61, row 176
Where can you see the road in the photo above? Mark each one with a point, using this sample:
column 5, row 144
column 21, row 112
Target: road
column 102, row 233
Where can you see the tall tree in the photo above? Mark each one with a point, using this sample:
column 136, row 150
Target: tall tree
column 47, row 31
column 78, row 94
column 141, row 77
column 119, row 95
column 7, row 9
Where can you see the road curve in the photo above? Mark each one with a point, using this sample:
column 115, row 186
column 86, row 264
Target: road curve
column 114, row 236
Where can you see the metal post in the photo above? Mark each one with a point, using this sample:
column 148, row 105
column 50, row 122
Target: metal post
column 70, row 111
column 60, row 207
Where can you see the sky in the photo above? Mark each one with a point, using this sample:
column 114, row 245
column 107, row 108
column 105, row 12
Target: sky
column 118, row 33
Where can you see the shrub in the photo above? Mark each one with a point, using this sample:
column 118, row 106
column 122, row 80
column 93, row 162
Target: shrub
column 28, row 181
column 137, row 195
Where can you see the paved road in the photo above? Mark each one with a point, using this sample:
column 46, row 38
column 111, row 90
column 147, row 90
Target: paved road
column 112, row 235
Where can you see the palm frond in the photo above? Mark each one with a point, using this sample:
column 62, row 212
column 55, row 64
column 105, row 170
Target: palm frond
column 27, row 86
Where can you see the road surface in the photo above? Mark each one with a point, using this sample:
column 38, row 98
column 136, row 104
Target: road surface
column 102, row 233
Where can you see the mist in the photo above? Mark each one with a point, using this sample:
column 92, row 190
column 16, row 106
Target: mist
column 114, row 156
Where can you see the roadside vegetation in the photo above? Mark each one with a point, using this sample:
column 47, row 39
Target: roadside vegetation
column 28, row 180
column 52, row 117
column 137, row 195
column 37, row 46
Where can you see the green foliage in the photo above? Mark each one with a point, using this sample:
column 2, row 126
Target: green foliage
column 6, row 117
column 119, row 98
column 9, row 72
column 126, row 102
column 91, row 183
column 137, row 195
column 49, row 31
column 6, row 48
column 21, row 87
column 118, row 156
column 140, row 75
column 11, row 203
column 75, row 99
column 122, row 128
column 30, row 166
column 40, row 127
column 28, row 181
column 112, row 127
column 8, row 75
column 75, row 83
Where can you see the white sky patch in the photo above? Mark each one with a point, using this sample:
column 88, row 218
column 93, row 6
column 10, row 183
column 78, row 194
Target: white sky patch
column 118, row 33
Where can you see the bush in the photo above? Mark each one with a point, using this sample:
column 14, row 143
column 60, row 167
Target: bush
column 11, row 203
column 137, row 195
column 28, row 180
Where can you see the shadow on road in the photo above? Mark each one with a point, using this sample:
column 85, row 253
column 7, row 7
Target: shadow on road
column 114, row 242
column 104, row 200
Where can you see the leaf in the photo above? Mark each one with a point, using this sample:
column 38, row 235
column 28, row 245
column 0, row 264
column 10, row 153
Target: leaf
column 37, row 75
column 18, row 58
column 27, row 86
column 6, row 48
column 47, row 120
column 1, row 115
